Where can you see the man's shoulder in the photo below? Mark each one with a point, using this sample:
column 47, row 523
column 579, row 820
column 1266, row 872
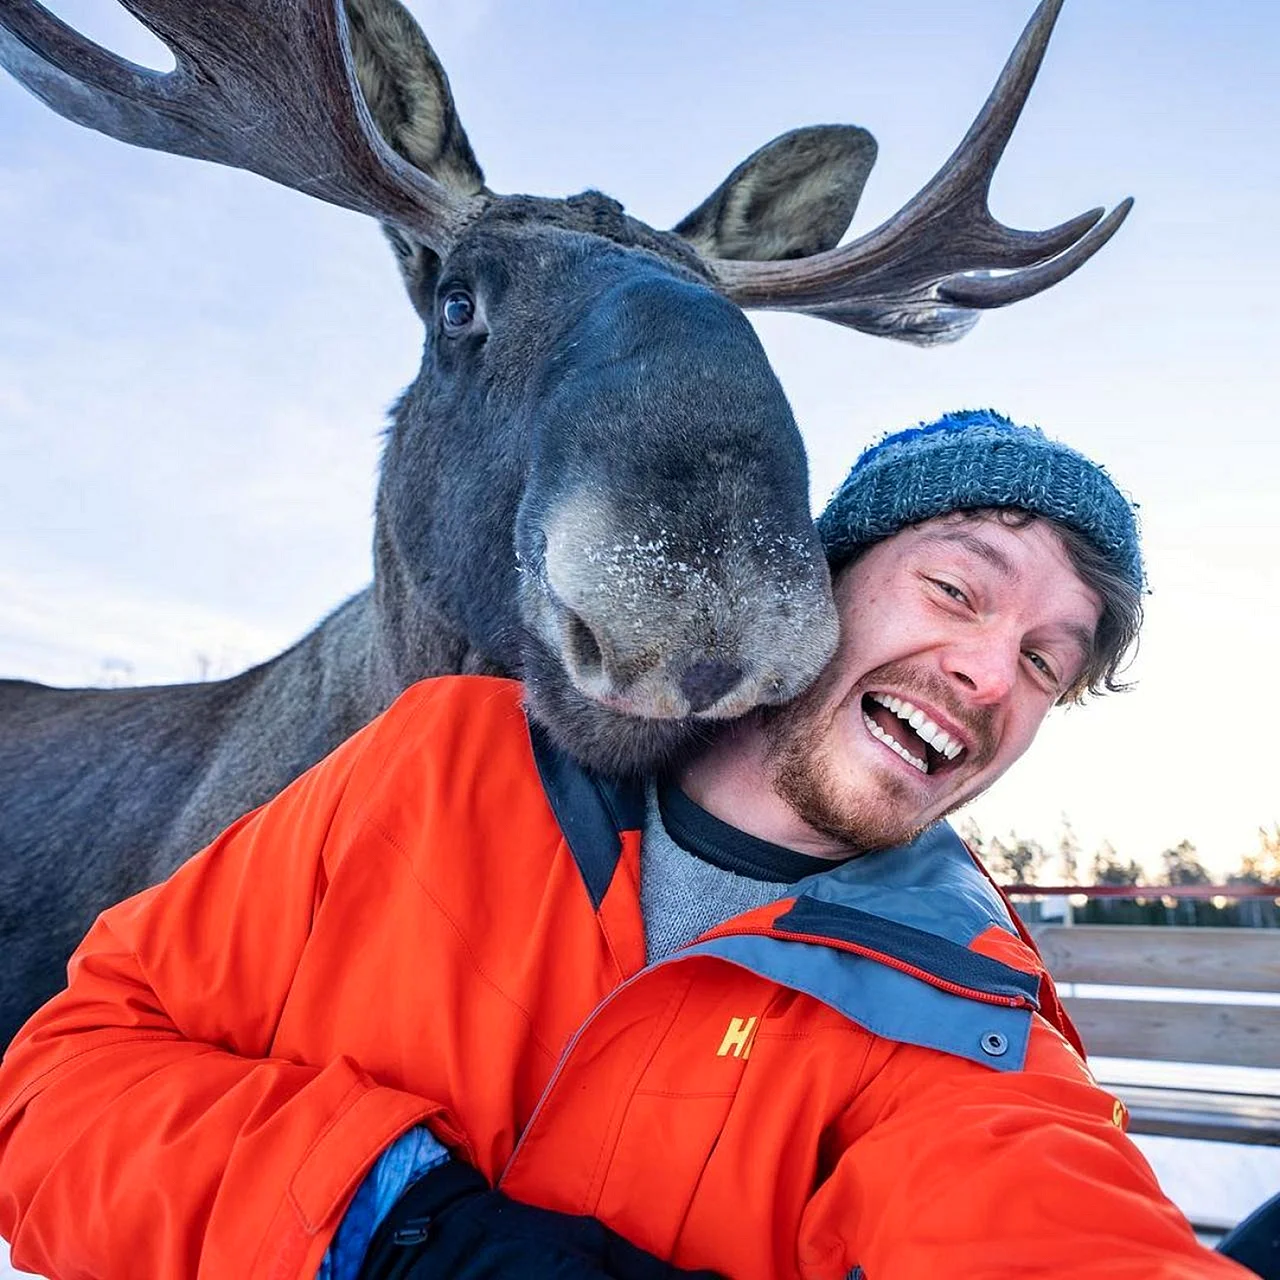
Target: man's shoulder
column 453, row 745
column 445, row 708
column 453, row 792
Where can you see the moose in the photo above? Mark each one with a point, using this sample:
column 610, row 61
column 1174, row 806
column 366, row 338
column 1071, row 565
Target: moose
column 594, row 482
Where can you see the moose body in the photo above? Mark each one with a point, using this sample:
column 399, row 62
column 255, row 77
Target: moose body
column 594, row 482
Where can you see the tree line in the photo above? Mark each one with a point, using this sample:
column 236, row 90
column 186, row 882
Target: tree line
column 1016, row 860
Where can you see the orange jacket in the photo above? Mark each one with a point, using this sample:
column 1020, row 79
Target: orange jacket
column 854, row 1076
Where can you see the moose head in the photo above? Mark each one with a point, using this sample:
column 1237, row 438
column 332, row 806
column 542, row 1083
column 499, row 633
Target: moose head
column 595, row 480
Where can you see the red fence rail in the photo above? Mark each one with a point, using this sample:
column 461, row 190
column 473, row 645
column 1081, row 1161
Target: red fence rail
column 1201, row 891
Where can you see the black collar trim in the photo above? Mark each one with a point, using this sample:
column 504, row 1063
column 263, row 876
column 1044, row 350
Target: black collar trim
column 705, row 836
column 921, row 950
column 592, row 811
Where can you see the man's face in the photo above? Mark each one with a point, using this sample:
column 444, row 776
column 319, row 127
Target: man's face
column 968, row 628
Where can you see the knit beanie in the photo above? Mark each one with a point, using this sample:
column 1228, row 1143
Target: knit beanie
column 977, row 458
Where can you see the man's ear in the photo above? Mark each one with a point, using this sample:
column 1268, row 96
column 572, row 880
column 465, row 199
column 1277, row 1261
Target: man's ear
column 794, row 197
column 408, row 95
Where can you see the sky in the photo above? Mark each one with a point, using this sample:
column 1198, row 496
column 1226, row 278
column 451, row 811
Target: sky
column 195, row 366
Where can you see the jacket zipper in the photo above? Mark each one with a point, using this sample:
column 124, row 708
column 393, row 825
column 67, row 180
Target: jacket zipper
column 583, row 1027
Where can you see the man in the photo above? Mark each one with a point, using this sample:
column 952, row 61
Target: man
column 440, row 1010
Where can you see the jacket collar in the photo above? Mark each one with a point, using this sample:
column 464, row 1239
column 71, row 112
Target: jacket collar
column 592, row 811
column 892, row 929
column 923, row 902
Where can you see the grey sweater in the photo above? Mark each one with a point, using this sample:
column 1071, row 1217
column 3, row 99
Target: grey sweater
column 683, row 893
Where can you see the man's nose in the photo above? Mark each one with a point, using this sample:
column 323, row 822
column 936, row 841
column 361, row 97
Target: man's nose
column 985, row 670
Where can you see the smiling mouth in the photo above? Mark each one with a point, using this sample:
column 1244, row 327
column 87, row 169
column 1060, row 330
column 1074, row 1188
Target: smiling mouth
column 910, row 734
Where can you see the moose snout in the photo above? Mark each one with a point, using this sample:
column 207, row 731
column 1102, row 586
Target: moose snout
column 706, row 681
column 659, row 629
column 653, row 672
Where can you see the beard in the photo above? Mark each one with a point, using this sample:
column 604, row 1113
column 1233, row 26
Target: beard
column 880, row 808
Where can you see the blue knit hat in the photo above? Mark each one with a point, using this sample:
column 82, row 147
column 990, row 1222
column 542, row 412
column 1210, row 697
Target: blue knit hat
column 977, row 458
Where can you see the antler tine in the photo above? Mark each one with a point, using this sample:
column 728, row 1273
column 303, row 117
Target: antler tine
column 983, row 292
column 263, row 85
column 37, row 48
column 910, row 277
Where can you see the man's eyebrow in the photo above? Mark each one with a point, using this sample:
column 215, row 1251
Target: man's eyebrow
column 1083, row 637
column 979, row 547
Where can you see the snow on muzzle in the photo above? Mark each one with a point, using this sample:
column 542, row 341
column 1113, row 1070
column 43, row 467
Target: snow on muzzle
column 662, row 626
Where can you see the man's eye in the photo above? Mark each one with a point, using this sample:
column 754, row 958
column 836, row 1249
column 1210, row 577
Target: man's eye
column 950, row 589
column 1041, row 664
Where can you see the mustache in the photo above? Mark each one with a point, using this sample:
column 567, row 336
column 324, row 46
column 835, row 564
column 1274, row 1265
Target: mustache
column 979, row 723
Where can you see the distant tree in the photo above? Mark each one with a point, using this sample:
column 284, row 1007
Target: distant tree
column 1068, row 852
column 1016, row 861
column 969, row 831
column 1263, row 866
column 1182, row 866
column 1108, row 869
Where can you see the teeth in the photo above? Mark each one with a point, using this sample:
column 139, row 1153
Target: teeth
column 939, row 739
column 877, row 732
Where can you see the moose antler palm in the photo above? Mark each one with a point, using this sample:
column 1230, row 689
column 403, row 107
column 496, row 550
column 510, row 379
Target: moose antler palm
column 272, row 87
column 264, row 85
column 923, row 274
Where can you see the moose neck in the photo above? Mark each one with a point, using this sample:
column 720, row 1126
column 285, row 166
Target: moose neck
column 408, row 636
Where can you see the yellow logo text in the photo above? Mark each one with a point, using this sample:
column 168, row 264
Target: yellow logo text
column 739, row 1038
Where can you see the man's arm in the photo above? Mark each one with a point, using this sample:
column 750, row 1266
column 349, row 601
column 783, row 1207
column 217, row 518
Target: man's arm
column 145, row 1128
column 950, row 1168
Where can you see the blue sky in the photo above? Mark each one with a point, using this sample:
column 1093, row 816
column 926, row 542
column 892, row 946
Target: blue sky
column 195, row 366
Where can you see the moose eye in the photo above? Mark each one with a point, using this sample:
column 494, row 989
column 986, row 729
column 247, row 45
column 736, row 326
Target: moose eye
column 457, row 310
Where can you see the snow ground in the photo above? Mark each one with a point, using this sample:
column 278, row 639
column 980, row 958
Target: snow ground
column 1214, row 1183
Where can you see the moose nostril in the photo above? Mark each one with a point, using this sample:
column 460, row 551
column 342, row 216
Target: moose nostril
column 707, row 681
column 582, row 649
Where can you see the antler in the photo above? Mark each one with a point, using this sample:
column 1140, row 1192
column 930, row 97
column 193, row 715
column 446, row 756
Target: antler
column 263, row 85
column 922, row 275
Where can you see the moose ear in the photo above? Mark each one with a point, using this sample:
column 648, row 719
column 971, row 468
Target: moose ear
column 407, row 93
column 794, row 197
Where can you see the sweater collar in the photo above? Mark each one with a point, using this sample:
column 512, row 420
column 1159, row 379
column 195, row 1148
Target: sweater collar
column 929, row 885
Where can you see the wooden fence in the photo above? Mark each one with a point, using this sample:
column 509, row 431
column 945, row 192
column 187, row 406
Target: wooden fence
column 1174, row 994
